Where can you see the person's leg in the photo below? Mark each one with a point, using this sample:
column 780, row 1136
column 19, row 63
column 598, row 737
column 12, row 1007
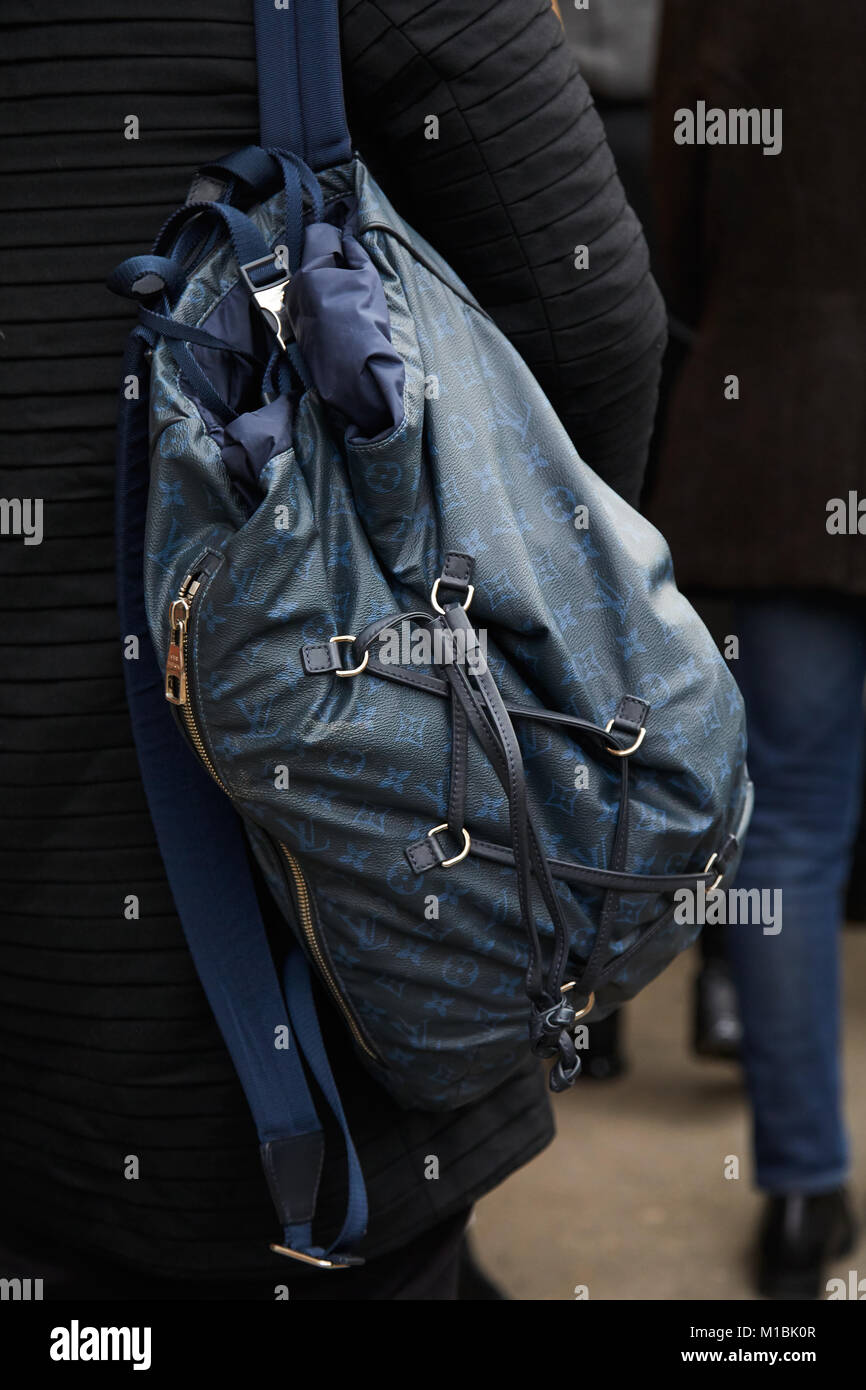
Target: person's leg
column 716, row 1028
column 801, row 670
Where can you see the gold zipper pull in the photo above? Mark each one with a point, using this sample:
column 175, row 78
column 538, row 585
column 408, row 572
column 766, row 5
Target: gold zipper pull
column 175, row 665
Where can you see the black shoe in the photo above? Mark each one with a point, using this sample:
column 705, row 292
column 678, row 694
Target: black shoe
column 602, row 1060
column 799, row 1234
column 717, row 1028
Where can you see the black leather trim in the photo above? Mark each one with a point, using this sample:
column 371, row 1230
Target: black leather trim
column 425, row 854
column 459, row 767
column 319, row 657
column 600, row 878
column 206, row 189
column 631, row 714
column 457, row 569
column 293, row 1168
column 456, row 575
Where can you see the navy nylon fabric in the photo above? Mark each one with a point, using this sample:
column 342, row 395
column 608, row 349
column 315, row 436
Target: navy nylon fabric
column 251, row 440
column 337, row 309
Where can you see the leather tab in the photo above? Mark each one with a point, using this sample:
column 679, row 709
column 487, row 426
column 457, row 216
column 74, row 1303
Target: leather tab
column 457, row 572
column 206, row 189
column 293, row 1168
column 425, row 854
column 319, row 657
column 458, row 568
column 631, row 714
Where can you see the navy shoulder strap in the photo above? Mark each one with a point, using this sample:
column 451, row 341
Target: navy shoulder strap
column 204, row 850
column 301, row 106
column 201, row 840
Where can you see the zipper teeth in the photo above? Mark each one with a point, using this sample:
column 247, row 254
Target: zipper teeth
column 302, row 892
column 309, row 929
column 192, row 727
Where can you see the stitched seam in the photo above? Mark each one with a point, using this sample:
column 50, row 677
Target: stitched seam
column 457, row 803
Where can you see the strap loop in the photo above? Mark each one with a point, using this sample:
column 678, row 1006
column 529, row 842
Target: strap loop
column 145, row 277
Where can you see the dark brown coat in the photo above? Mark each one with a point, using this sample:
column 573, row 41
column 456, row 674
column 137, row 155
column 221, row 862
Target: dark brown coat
column 764, row 256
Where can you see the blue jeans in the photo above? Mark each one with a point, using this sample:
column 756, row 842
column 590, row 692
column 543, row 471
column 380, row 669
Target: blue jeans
column 801, row 669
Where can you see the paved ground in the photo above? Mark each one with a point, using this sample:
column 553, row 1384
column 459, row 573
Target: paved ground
column 631, row 1200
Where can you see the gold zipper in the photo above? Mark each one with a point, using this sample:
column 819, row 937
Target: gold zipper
column 177, row 693
column 305, row 913
column 176, row 687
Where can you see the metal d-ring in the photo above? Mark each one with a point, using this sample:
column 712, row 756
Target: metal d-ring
column 590, row 1003
column 437, row 605
column 356, row 670
column 624, row 752
column 467, row 845
column 709, row 864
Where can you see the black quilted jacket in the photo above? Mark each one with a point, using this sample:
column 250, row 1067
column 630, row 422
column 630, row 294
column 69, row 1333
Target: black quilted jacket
column 107, row 1047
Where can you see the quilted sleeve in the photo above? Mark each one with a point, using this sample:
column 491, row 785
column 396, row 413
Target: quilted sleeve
column 479, row 127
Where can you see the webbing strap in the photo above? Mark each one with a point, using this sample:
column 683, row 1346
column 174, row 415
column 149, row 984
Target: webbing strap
column 301, row 106
column 247, row 241
column 303, row 1013
column 205, row 855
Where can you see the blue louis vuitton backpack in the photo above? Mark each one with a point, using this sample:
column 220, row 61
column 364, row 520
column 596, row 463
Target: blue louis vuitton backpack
column 397, row 640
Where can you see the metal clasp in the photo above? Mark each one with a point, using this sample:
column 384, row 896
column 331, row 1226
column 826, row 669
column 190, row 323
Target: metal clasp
column 270, row 298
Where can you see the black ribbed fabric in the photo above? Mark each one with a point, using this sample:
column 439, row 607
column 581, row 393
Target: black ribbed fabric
column 520, row 176
column 107, row 1047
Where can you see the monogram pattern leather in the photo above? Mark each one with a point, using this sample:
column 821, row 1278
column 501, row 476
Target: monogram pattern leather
column 431, row 965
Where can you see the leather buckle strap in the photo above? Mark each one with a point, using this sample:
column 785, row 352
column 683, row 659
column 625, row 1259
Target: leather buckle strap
column 323, row 658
